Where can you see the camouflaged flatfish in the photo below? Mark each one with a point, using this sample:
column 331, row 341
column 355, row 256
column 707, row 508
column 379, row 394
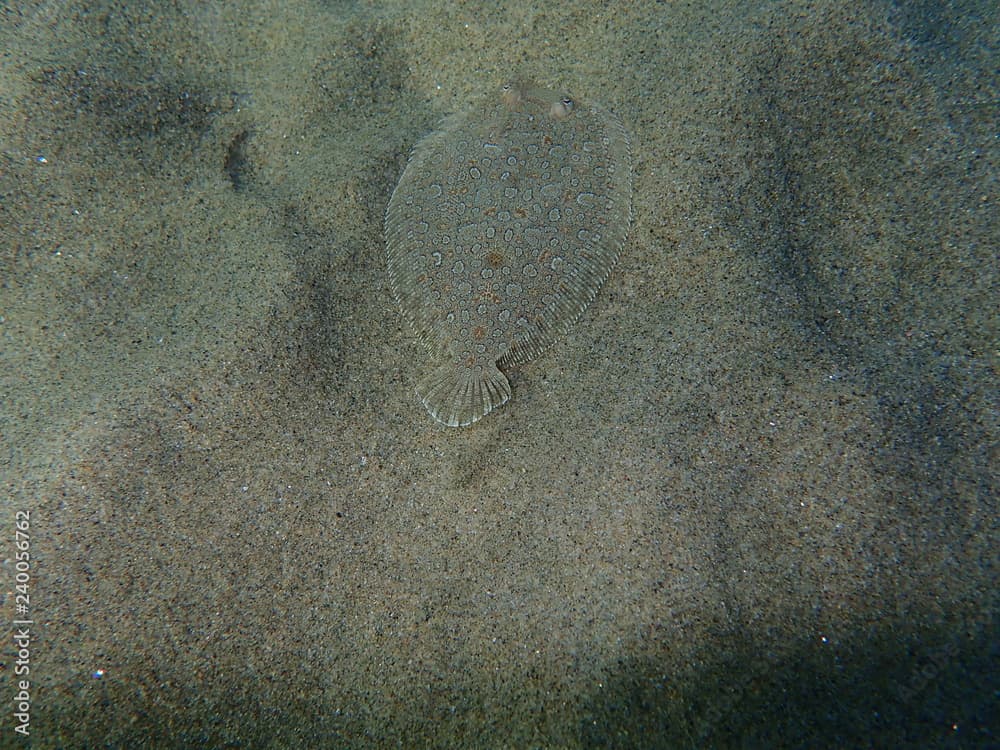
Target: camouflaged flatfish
column 505, row 223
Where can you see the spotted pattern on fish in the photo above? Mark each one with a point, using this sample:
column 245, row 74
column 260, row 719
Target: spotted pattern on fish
column 504, row 224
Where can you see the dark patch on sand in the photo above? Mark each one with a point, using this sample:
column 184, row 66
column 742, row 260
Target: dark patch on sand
column 237, row 164
column 851, row 147
column 126, row 105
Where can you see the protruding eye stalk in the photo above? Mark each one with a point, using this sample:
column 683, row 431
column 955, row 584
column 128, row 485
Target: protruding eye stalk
column 517, row 95
column 562, row 109
column 510, row 94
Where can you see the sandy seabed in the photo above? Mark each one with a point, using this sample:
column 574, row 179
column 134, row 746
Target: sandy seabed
column 749, row 501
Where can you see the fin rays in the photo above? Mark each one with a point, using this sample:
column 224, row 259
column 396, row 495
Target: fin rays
column 458, row 396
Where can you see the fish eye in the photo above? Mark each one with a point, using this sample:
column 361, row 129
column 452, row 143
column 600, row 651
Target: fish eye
column 510, row 95
column 562, row 108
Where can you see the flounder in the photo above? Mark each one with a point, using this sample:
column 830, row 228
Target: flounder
column 504, row 224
